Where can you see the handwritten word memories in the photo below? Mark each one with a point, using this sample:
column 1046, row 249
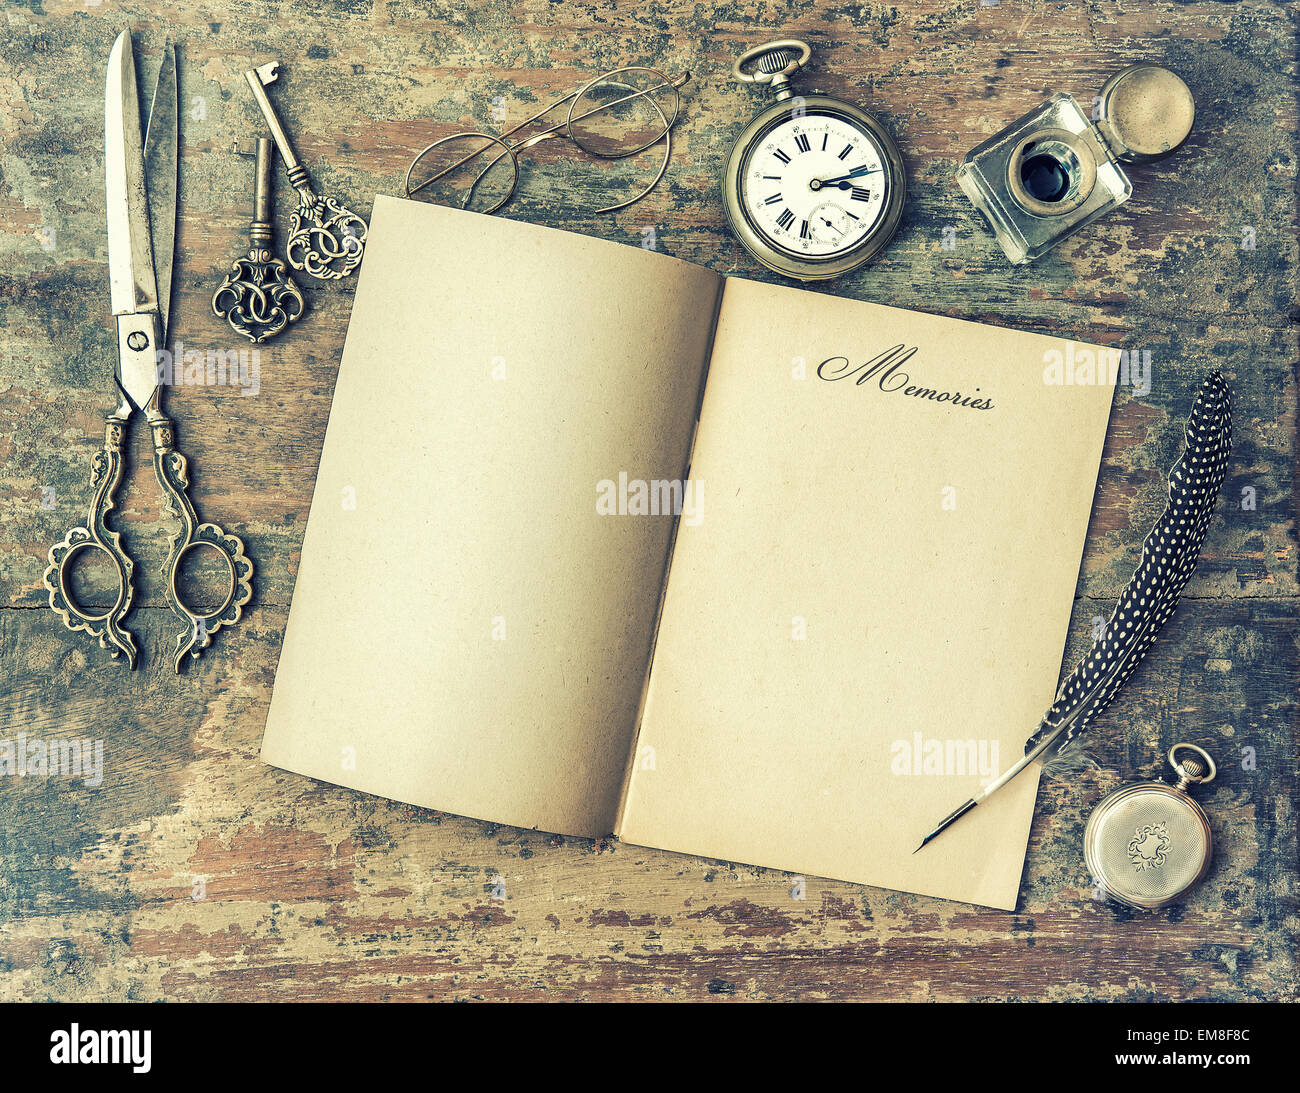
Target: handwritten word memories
column 886, row 370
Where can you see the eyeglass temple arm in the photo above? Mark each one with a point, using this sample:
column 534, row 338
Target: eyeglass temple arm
column 554, row 130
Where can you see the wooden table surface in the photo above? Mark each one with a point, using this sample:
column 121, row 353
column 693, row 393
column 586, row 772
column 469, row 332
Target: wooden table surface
column 196, row 872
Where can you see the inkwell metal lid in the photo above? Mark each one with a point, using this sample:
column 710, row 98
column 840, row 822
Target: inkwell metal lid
column 1147, row 844
column 1145, row 112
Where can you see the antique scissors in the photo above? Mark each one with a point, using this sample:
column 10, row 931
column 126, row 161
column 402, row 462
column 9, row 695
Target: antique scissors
column 141, row 237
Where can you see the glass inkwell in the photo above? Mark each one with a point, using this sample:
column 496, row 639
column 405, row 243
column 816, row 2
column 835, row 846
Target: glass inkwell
column 1055, row 170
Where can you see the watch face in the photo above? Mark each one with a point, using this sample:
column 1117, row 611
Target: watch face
column 815, row 185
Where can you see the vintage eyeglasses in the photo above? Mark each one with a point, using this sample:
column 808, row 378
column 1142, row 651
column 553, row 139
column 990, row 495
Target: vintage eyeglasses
column 616, row 115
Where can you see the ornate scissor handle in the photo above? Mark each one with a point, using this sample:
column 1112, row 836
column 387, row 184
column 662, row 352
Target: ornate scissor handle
column 105, row 475
column 173, row 475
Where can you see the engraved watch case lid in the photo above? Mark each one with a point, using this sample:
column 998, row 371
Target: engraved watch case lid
column 1145, row 112
column 1149, row 843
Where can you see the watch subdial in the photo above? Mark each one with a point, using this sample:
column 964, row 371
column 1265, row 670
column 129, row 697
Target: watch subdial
column 829, row 223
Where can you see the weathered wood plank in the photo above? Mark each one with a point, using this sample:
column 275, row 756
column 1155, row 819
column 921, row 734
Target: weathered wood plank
column 310, row 891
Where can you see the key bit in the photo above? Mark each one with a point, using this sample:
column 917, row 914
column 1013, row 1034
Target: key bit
column 268, row 73
column 258, row 297
column 325, row 239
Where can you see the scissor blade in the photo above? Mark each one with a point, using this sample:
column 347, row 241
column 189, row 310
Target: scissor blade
column 160, row 164
column 133, row 286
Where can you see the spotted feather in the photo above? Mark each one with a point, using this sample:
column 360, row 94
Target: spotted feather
column 1169, row 555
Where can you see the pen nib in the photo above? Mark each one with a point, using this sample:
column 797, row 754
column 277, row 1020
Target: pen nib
column 943, row 825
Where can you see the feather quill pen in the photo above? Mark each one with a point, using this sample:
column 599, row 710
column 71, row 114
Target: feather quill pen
column 1169, row 555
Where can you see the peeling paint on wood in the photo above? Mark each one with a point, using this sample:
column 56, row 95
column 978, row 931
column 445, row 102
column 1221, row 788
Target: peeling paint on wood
column 196, row 872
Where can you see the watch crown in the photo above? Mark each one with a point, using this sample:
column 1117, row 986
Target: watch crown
column 773, row 62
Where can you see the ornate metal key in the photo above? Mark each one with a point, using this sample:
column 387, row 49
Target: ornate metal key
column 325, row 239
column 258, row 298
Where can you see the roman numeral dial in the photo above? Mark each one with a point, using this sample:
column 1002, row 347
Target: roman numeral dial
column 815, row 185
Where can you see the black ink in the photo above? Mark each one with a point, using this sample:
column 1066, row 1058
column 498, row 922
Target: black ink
column 886, row 369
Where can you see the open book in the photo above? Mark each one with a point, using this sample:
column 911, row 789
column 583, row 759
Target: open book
column 603, row 542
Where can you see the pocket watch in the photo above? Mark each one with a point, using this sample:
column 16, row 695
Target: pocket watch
column 814, row 186
column 1147, row 844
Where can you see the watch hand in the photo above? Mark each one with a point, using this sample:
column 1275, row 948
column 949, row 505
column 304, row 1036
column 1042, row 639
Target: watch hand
column 857, row 172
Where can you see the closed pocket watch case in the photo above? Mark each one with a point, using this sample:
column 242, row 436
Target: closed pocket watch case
column 1147, row 844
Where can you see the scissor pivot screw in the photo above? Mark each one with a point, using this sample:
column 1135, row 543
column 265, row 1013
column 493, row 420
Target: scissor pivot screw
column 137, row 340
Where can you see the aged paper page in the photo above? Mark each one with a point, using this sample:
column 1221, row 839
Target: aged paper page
column 869, row 616
column 467, row 632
